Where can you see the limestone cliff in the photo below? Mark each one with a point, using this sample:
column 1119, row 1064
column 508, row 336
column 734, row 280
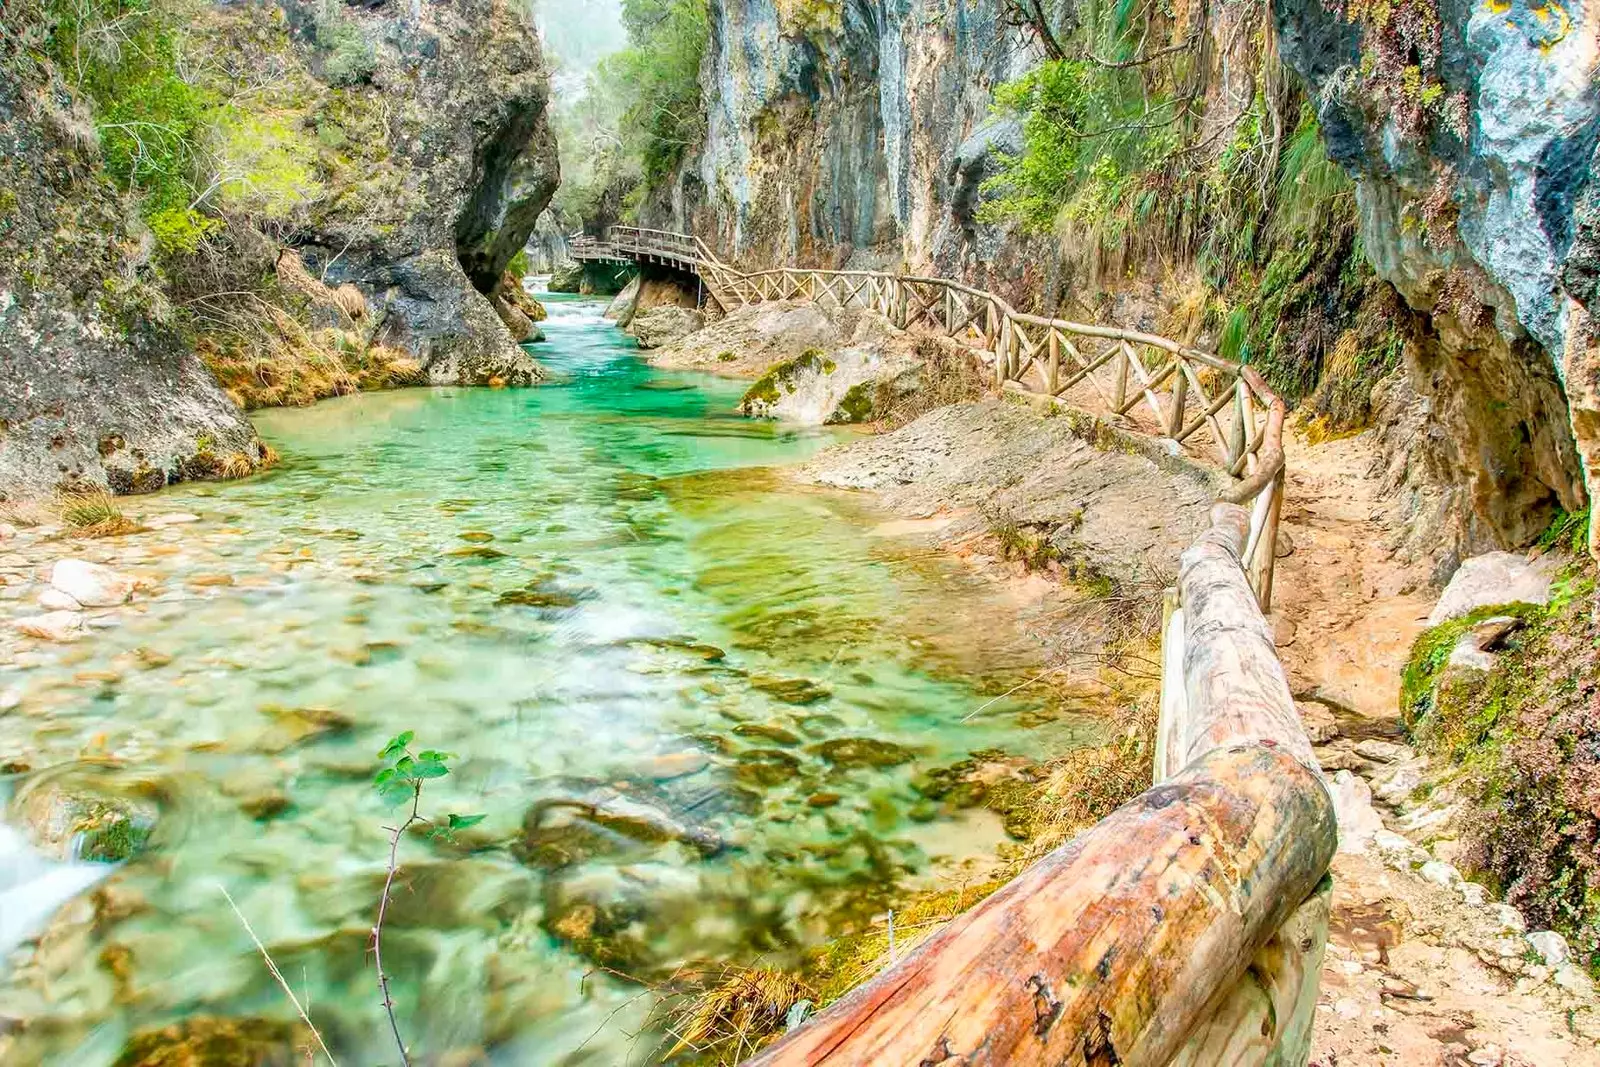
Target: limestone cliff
column 863, row 131
column 466, row 165
column 853, row 129
column 1471, row 131
column 97, row 388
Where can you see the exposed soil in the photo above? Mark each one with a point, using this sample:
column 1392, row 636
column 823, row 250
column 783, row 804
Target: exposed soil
column 1419, row 970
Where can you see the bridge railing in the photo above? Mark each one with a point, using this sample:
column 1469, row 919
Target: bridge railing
column 1187, row 927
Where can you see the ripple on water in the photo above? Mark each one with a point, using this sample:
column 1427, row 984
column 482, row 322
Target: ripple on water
column 694, row 703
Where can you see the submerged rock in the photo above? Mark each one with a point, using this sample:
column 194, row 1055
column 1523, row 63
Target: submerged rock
column 206, row 1040
column 52, row 625
column 562, row 831
column 767, row 731
column 798, row 691
column 91, row 584
column 862, row 752
column 766, row 766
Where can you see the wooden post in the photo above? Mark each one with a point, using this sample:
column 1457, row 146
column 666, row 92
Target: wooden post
column 1119, row 385
column 1180, row 391
column 1265, row 558
column 1053, row 371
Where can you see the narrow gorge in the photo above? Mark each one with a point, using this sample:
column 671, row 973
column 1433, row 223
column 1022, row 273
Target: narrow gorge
column 722, row 531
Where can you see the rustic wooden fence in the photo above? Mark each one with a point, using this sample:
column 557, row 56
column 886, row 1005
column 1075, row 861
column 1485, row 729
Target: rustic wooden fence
column 1187, row 927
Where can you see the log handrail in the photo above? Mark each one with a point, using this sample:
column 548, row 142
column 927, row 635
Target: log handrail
column 1187, row 927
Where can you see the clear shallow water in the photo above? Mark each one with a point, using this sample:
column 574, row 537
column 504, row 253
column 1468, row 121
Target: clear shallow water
column 655, row 658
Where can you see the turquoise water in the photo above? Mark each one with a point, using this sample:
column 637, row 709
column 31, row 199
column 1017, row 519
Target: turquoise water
column 690, row 696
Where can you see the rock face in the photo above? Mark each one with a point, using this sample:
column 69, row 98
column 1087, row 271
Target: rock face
column 1478, row 197
column 474, row 165
column 96, row 387
column 668, row 322
column 835, row 129
column 832, row 386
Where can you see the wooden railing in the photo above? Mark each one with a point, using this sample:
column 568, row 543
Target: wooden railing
column 1187, row 927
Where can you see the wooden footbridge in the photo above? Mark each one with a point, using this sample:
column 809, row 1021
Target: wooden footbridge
column 1187, row 927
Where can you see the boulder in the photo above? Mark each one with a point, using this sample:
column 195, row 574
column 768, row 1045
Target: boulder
column 620, row 310
column 662, row 325
column 53, row 599
column 825, row 387
column 1551, row 947
column 91, row 584
column 52, row 626
column 1358, row 820
column 1489, row 579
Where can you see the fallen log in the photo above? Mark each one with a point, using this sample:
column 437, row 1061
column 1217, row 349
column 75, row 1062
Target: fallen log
column 1111, row 949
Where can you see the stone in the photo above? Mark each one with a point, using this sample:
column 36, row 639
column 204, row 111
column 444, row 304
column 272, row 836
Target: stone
column 7, row 531
column 1383, row 751
column 1551, row 947
column 170, row 518
column 1467, row 655
column 53, row 599
column 10, row 698
column 823, row 800
column 674, row 765
column 1318, row 721
column 1441, row 874
column 1352, row 807
column 1490, row 579
column 1491, row 632
column 767, row 731
column 862, row 752
column 766, row 766
column 665, row 324
column 204, row 1039
column 52, row 626
column 1575, row 980
column 1473, row 894
column 268, row 805
column 1508, row 917
column 798, row 691
column 1396, row 785
column 91, row 584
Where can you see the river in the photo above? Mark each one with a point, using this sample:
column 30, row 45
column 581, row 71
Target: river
column 691, row 698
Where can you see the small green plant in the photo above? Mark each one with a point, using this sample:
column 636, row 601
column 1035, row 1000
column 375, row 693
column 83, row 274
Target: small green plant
column 401, row 778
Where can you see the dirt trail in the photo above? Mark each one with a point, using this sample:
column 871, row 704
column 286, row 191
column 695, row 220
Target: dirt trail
column 1420, row 969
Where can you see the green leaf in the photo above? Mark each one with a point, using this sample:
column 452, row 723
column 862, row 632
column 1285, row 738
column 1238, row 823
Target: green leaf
column 395, row 792
column 430, row 769
column 397, row 745
column 405, row 765
column 462, row 822
column 383, row 777
column 440, row 757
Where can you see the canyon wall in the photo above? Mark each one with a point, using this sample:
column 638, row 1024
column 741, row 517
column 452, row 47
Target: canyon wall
column 862, row 132
column 855, row 132
column 1471, row 131
column 400, row 152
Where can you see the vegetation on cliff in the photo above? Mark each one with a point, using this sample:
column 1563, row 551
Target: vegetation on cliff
column 641, row 111
column 1519, row 745
column 1156, row 156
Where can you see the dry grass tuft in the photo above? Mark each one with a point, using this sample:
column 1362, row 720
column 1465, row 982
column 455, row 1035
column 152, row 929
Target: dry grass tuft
column 93, row 513
column 736, row 1012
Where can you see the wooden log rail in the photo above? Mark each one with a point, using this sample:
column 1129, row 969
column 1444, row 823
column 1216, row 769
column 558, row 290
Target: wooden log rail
column 1186, row 929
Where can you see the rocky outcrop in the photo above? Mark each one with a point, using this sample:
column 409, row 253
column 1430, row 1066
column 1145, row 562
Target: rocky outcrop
column 547, row 245
column 1471, row 131
column 857, row 130
column 97, row 388
column 468, row 166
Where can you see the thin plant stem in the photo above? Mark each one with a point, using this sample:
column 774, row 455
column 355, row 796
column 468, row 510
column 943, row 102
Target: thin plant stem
column 383, row 907
column 278, row 976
